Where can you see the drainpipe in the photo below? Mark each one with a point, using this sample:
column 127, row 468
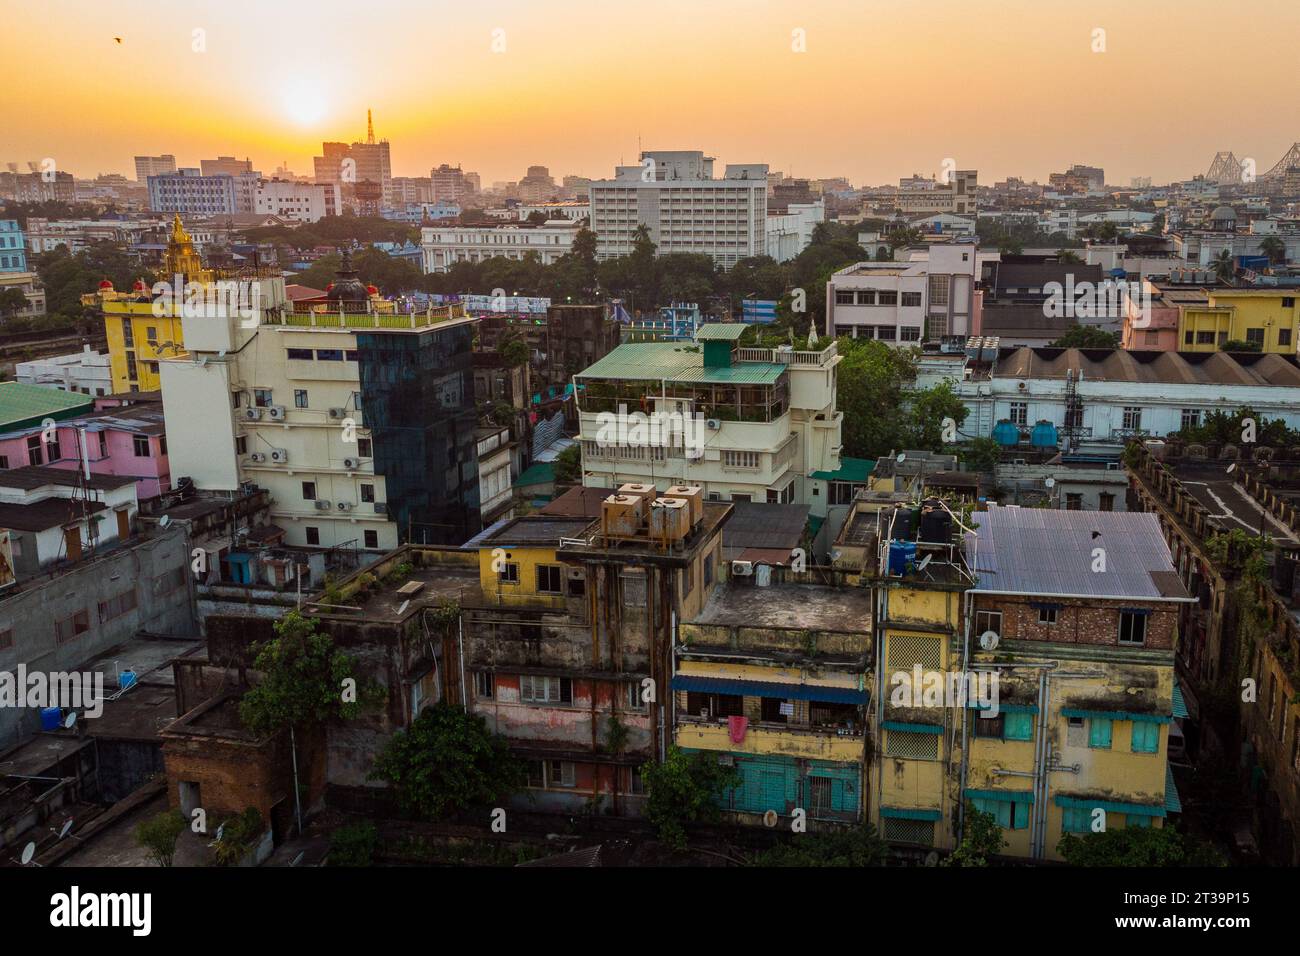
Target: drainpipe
column 882, row 611
column 460, row 652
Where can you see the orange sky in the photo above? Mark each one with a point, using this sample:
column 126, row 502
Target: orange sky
column 885, row 87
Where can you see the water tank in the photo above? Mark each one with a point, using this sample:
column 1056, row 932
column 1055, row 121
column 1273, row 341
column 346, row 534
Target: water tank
column 125, row 679
column 1006, row 434
column 1043, row 435
column 936, row 524
column 902, row 527
column 902, row 556
column 51, row 718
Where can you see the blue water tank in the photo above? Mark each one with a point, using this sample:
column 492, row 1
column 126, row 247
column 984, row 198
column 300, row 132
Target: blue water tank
column 125, row 679
column 1006, row 434
column 1043, row 435
column 51, row 718
column 902, row 556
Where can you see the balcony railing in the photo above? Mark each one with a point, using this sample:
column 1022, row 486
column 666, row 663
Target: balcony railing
column 801, row 359
column 321, row 319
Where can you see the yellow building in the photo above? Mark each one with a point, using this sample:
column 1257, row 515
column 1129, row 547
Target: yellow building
column 1267, row 318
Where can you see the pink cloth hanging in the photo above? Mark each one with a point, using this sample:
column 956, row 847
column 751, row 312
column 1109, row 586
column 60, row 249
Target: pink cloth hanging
column 737, row 727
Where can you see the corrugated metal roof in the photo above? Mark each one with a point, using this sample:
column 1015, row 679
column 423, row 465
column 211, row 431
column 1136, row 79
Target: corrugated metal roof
column 720, row 331
column 1180, row 706
column 1173, row 802
column 20, row 402
column 1048, row 552
column 754, row 688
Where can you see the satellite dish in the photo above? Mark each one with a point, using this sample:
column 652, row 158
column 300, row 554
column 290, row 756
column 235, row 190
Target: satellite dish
column 298, row 859
column 29, row 851
column 770, row 819
column 932, row 858
column 164, row 521
column 1232, row 467
column 924, row 562
column 1050, row 482
column 989, row 640
column 70, row 721
column 402, row 610
column 220, row 830
column 67, row 828
column 901, row 458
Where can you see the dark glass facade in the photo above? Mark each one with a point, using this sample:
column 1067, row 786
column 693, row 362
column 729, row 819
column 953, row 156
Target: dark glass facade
column 417, row 399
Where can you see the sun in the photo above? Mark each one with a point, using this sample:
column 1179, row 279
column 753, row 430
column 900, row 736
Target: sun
column 303, row 103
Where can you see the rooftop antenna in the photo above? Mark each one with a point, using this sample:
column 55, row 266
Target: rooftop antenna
column 370, row 129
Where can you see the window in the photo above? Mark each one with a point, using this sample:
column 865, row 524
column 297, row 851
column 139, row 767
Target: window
column 909, row 334
column 1074, row 731
column 867, row 297
column 775, row 710
column 6, row 639
column 117, row 606
column 509, row 573
column 843, row 297
column 1020, row 413
column 887, row 333
column 887, row 298
column 1105, row 501
column 989, row 726
column 1073, row 501
column 4, row 461
column 70, row 628
column 1256, row 336
column 363, row 447
column 633, row 696
column 485, row 685
column 367, row 492
column 713, row 706
column 1018, row 726
column 1132, row 418
column 536, row 774
column 1189, row 337
column 938, row 292
column 911, row 300
column 1283, row 336
column 1146, row 737
column 1099, row 731
column 549, row 579
column 309, row 491
column 738, row 496
column 988, row 621
column 313, row 535
column 300, row 354
column 1132, row 627
column 1047, row 614
column 300, row 398
column 261, row 397
column 1076, row 820
column 169, row 581
column 541, row 689
column 132, row 372
column 329, row 355
column 372, row 539
column 1009, row 814
column 560, row 773
column 241, row 445
column 1204, row 338
column 140, row 443
column 35, row 455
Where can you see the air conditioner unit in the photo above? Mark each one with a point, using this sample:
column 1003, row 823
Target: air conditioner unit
column 351, row 463
column 338, row 412
column 322, row 504
column 276, row 412
column 253, row 413
column 257, row 457
column 742, row 569
column 381, row 508
column 345, row 506
column 712, row 424
column 280, row 456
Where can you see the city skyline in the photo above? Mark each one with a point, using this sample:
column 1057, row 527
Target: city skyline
column 283, row 85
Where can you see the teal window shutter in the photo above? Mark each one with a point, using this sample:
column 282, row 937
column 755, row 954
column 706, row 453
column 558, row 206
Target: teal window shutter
column 1021, row 819
column 1099, row 732
column 1075, row 820
column 1018, row 727
column 1146, row 737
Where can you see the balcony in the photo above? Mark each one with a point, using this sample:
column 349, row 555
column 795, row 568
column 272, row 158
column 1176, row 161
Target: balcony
column 840, row 746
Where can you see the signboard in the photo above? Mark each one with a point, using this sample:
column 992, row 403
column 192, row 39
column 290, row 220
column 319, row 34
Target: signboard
column 758, row 310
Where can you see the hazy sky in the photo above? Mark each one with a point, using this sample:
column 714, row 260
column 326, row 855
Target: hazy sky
column 884, row 88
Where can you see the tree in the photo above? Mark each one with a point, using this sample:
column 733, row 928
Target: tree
column 685, row 789
column 513, row 351
column 1240, row 345
column 536, row 218
column 871, row 378
column 1274, row 248
column 353, row 845
column 982, row 454
column 237, row 837
column 448, row 761
column 1225, row 267
column 928, row 410
column 12, row 301
column 568, row 465
column 1087, row 337
column 158, row 836
column 304, row 679
column 1067, row 255
column 855, row 847
column 981, row 839
column 1137, row 846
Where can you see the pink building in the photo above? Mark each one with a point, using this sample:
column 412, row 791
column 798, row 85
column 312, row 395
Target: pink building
column 123, row 440
column 1151, row 323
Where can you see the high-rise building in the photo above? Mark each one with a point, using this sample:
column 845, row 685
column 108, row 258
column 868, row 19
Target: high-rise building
column 13, row 246
column 359, row 420
column 225, row 165
column 347, row 165
column 683, row 207
column 146, row 166
column 189, row 192
column 537, row 186
column 451, row 184
column 301, row 202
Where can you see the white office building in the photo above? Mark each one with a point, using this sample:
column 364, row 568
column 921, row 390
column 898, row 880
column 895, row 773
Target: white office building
column 444, row 246
column 299, row 202
column 683, row 207
column 790, row 233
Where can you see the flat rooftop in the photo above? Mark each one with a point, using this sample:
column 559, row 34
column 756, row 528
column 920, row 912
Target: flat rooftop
column 450, row 581
column 1226, row 503
column 677, row 362
column 789, row 606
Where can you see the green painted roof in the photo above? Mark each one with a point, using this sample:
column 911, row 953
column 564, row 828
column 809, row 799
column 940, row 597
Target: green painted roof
column 538, row 474
column 720, row 331
column 851, row 469
column 22, row 405
column 673, row 362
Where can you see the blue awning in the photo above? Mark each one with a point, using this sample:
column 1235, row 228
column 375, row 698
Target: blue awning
column 900, row 813
column 1015, row 796
column 1115, row 715
column 1173, row 803
column 1110, row 806
column 912, row 728
column 755, row 688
